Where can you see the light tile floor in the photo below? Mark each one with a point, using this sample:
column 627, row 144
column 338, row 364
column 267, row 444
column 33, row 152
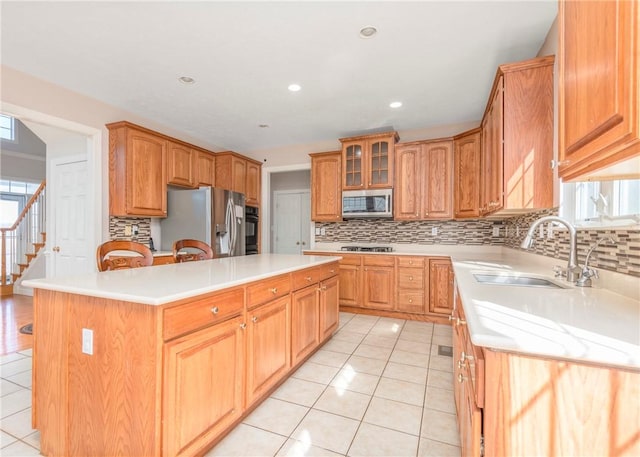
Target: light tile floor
column 377, row 388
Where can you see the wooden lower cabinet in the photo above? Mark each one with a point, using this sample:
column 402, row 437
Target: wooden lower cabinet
column 379, row 282
column 411, row 283
column 203, row 375
column 329, row 307
column 305, row 321
column 350, row 280
column 268, row 346
column 516, row 404
column 440, row 286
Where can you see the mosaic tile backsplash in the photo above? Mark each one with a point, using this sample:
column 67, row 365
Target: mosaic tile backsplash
column 623, row 257
column 117, row 229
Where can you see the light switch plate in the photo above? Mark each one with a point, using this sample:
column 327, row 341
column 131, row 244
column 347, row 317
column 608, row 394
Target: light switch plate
column 323, row 231
column 87, row 341
column 317, row 230
column 434, row 231
column 127, row 230
column 496, row 231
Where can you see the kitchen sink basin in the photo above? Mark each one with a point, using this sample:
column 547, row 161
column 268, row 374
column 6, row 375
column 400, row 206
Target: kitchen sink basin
column 516, row 280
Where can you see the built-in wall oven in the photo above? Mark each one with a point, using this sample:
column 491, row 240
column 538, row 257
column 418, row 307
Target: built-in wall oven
column 252, row 227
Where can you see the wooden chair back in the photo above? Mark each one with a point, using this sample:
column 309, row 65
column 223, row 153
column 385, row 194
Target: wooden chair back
column 195, row 250
column 117, row 262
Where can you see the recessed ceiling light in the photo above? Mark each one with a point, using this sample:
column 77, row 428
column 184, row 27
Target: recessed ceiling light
column 186, row 80
column 368, row 31
column 294, row 87
column 263, row 126
column 395, row 104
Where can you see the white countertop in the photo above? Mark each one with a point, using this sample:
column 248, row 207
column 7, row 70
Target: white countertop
column 594, row 324
column 163, row 284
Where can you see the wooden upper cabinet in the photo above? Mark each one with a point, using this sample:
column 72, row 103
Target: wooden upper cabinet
column 137, row 171
column 181, row 165
column 368, row 161
column 408, row 182
column 599, row 102
column 326, row 194
column 206, row 168
column 517, row 138
column 423, row 181
column 239, row 174
column 436, row 172
column 466, row 174
column 252, row 183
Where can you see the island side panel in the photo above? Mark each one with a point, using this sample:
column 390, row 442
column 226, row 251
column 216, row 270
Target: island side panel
column 537, row 406
column 50, row 372
column 108, row 403
column 116, row 392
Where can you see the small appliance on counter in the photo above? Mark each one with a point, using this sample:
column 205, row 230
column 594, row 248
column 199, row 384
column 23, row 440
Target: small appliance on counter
column 209, row 214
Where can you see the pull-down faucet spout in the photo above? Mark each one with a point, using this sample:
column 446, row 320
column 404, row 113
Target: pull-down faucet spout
column 572, row 270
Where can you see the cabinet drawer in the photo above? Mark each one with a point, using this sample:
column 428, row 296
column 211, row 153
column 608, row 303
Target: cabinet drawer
column 408, row 299
column 328, row 271
column 268, row 289
column 202, row 312
column 411, row 262
column 350, row 259
column 304, row 278
column 378, row 261
column 411, row 278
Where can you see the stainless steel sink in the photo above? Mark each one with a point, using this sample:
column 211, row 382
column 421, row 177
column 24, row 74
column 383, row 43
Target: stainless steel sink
column 516, row 280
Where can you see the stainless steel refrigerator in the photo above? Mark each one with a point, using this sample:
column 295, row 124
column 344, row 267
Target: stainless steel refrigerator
column 209, row 214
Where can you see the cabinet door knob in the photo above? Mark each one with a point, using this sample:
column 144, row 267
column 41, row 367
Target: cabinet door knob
column 273, row 290
column 243, row 326
column 254, row 319
column 411, row 300
column 309, row 278
column 215, row 310
column 461, row 378
column 410, row 278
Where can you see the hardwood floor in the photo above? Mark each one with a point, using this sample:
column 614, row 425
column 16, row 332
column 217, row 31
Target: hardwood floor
column 15, row 311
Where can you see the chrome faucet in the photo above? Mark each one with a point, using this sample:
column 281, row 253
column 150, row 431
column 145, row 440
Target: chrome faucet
column 573, row 271
column 587, row 273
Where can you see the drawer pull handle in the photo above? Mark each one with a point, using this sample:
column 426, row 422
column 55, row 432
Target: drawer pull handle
column 309, row 278
column 273, row 290
column 254, row 319
column 243, row 326
column 464, row 356
column 461, row 378
column 215, row 310
column 332, row 271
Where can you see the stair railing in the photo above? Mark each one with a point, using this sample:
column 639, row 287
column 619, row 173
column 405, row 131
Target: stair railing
column 19, row 239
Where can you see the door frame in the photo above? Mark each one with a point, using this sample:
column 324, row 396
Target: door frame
column 265, row 199
column 95, row 160
column 293, row 191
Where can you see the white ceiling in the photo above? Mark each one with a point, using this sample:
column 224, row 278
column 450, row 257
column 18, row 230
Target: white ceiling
column 438, row 58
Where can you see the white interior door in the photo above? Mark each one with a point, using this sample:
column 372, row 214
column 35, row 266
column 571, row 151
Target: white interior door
column 292, row 218
column 71, row 238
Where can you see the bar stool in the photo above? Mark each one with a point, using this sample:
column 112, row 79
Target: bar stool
column 143, row 257
column 194, row 250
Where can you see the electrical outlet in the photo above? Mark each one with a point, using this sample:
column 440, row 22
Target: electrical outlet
column 496, row 231
column 87, row 341
column 541, row 233
column 135, row 229
column 317, row 230
column 517, row 230
column 434, row 231
column 127, row 230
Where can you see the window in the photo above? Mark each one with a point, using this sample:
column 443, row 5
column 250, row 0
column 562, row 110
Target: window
column 601, row 203
column 7, row 131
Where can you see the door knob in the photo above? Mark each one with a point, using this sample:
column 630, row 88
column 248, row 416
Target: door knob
column 56, row 249
column 297, row 243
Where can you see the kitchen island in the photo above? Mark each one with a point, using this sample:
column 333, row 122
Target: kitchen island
column 164, row 360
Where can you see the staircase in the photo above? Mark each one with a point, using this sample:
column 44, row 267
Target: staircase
column 21, row 242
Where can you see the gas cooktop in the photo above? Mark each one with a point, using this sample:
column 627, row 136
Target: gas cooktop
column 367, row 248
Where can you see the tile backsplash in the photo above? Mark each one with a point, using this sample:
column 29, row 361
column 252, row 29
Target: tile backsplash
column 471, row 232
column 623, row 257
column 117, row 228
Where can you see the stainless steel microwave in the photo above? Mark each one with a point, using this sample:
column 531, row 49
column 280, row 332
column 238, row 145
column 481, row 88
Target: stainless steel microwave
column 367, row 203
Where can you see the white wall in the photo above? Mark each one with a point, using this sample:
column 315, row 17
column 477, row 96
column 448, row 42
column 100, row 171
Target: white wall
column 18, row 166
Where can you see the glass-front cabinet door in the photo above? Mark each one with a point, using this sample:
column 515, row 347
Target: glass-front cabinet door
column 379, row 164
column 353, row 165
column 368, row 161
